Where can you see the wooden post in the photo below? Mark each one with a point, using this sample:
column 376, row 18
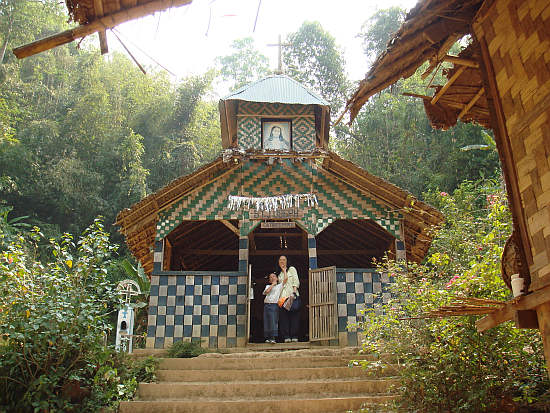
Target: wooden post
column 543, row 315
column 98, row 8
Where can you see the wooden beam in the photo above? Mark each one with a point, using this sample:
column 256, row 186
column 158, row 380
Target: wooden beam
column 103, row 46
column 526, row 319
column 507, row 312
column 259, row 115
column 454, row 105
column 505, row 152
column 188, row 231
column 278, row 252
column 98, row 10
column 471, row 103
column 208, row 252
column 231, row 227
column 100, row 24
column 543, row 314
column 448, row 84
column 461, row 61
column 440, row 55
column 278, row 234
column 347, row 252
column 252, row 241
column 324, row 114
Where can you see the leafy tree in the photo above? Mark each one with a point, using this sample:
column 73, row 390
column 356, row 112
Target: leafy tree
column 10, row 227
column 489, row 145
column 244, row 65
column 314, row 59
column 53, row 319
column 191, row 136
column 446, row 365
column 22, row 21
column 377, row 30
column 82, row 136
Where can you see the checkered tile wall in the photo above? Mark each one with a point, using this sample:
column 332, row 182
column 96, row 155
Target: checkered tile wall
column 355, row 291
column 209, row 309
column 249, row 127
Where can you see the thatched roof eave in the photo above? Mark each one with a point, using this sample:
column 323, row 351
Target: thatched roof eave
column 428, row 32
column 97, row 16
column 138, row 223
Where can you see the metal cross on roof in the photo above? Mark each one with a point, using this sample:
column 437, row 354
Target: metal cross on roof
column 280, row 45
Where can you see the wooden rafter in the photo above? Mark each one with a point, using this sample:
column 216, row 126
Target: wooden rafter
column 100, row 24
column 507, row 311
column 471, row 103
column 461, row 61
column 277, row 234
column 231, row 227
column 447, row 85
column 436, row 60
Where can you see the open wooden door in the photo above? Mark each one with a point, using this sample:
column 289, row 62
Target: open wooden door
column 323, row 316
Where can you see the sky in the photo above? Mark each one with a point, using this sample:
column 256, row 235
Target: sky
column 186, row 40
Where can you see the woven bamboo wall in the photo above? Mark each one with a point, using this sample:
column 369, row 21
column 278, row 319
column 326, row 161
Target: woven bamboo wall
column 517, row 35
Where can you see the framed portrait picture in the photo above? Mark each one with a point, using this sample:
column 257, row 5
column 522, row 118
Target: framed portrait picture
column 277, row 134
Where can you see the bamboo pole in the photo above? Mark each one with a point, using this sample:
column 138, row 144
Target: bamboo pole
column 461, row 61
column 471, row 103
column 448, row 84
column 100, row 24
column 98, row 9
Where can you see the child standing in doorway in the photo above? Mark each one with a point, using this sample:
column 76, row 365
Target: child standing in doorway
column 272, row 292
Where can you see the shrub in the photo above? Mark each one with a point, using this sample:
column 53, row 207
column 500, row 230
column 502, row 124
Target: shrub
column 447, row 366
column 186, row 349
column 53, row 320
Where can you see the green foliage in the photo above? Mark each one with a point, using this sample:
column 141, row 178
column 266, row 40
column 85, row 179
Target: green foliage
column 377, row 30
column 143, row 370
column 10, row 227
column 244, row 65
column 138, row 275
column 23, row 22
column 54, row 317
column 489, row 145
column 446, row 365
column 82, row 136
column 141, row 301
column 186, row 349
column 392, row 138
column 314, row 59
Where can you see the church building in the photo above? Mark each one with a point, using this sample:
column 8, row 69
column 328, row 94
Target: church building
column 208, row 240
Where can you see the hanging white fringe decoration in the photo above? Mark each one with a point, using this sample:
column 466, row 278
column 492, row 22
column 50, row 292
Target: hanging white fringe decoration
column 271, row 203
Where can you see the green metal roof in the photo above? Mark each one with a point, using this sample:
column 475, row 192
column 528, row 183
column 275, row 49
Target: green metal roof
column 277, row 89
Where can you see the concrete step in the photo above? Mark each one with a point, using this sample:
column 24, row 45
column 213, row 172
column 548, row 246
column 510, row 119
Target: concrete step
column 260, row 348
column 308, row 373
column 272, row 405
column 282, row 346
column 219, row 391
column 255, row 363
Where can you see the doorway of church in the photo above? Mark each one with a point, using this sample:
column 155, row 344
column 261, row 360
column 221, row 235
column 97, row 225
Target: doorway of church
column 266, row 245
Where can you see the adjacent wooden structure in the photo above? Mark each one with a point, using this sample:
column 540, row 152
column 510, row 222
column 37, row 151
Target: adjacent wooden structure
column 97, row 16
column 502, row 81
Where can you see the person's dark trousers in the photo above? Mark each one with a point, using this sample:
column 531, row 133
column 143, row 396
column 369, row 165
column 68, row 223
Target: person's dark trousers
column 289, row 323
column 271, row 321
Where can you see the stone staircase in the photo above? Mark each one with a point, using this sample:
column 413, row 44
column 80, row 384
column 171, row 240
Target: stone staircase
column 304, row 381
